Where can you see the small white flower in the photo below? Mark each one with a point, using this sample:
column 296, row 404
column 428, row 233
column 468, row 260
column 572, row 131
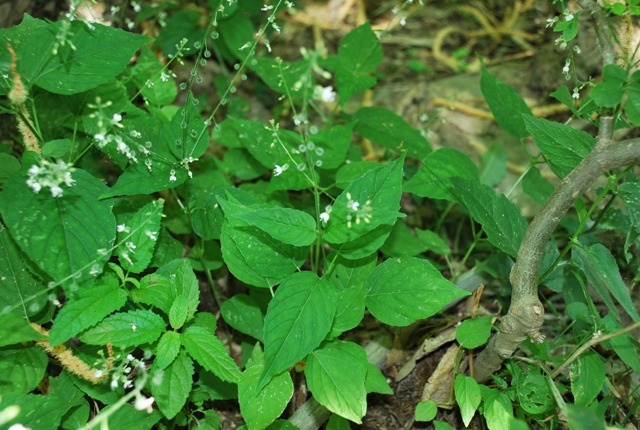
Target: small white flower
column 56, row 191
column 122, row 227
column 152, row 235
column 144, row 403
column 324, row 217
column 172, row 176
column 326, row 94
column 134, row 327
column 279, row 169
column 576, row 94
column 98, row 374
column 130, row 357
column 565, row 69
column 569, row 17
column 114, row 384
column 18, row 427
column 164, row 77
column 116, row 118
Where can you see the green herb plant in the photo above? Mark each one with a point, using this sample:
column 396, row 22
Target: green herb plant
column 161, row 254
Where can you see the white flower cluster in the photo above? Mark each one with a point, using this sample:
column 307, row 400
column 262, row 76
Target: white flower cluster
column 326, row 94
column 51, row 175
column 357, row 213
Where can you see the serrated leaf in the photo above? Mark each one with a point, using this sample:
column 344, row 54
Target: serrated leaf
column 603, row 273
column 500, row 218
column 86, row 309
column 563, row 147
column 298, row 318
column 401, row 291
column 468, row 397
column 172, row 392
column 178, row 312
column 37, row 411
column 22, row 369
column 164, row 151
column 493, row 165
column 505, row 104
column 632, row 107
column 359, row 54
column 90, row 57
column 243, row 314
column 433, row 179
column 182, row 282
column 8, row 166
column 126, row 329
column 336, row 376
column 376, row 382
column 68, row 237
column 377, row 194
column 256, row 258
column 19, row 289
column 391, row 131
column 286, row 225
column 261, row 407
column 154, row 290
column 365, row 245
column 498, row 411
column 475, row 332
column 167, row 349
column 210, row 353
column 138, row 237
column 581, row 417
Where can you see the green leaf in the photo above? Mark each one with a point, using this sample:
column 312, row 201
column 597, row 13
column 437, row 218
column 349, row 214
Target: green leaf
column 494, row 165
column 68, row 237
column 348, row 277
column 178, row 312
column 126, row 329
column 19, row 289
column 365, row 245
column 164, row 151
column 90, row 56
column 58, row 148
column 498, row 411
column 609, row 93
column 632, row 107
column 629, row 192
column 127, row 417
column 243, row 314
column 16, row 330
column 624, row 345
column 171, row 394
column 137, row 236
column 536, row 186
column 8, row 166
column 505, row 104
column 282, row 76
column 475, row 332
column 467, row 393
column 167, row 349
column 376, row 382
column 298, row 318
column 603, row 273
column 563, row 147
column 588, row 377
column 533, row 392
column 581, row 417
column 336, row 422
column 202, row 344
column 182, row 282
column 37, row 412
column 254, row 257
column 359, row 54
column 154, row 290
column 368, row 202
column 402, row 242
column 261, row 407
column 289, row 226
column 500, row 218
column 156, row 85
column 401, row 291
column 389, row 130
column 22, row 369
column 86, row 309
column 332, row 145
column 426, row 411
column 433, row 179
column 336, row 376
